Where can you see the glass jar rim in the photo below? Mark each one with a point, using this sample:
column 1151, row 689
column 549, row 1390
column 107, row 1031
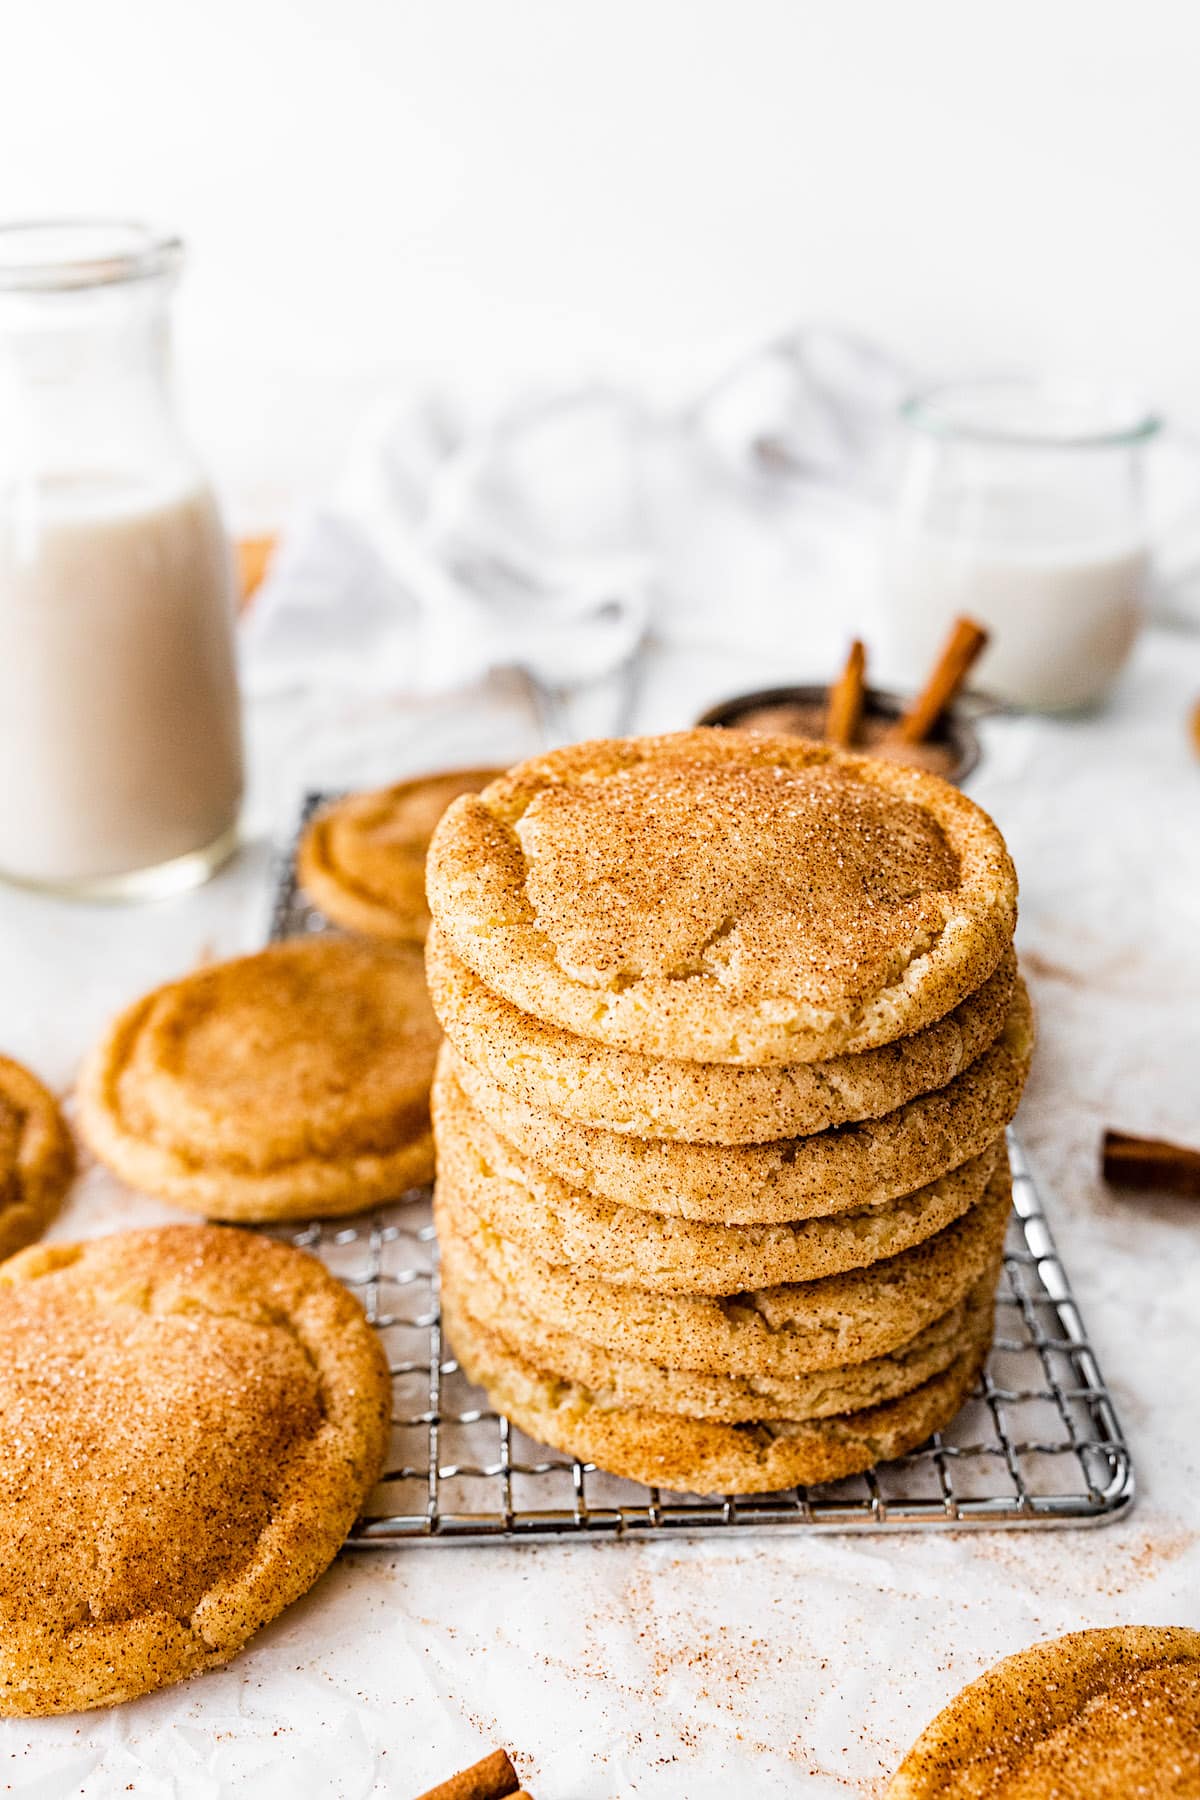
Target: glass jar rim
column 54, row 256
column 1031, row 412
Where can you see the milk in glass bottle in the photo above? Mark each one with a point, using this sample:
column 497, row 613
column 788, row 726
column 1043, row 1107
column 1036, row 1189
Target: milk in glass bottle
column 120, row 733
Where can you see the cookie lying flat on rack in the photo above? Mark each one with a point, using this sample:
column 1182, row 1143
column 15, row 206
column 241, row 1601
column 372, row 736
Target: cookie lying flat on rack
column 37, row 1157
column 604, row 1241
column 362, row 858
column 700, row 1102
column 791, row 1178
column 1096, row 1715
column 283, row 1085
column 190, row 1421
column 721, row 897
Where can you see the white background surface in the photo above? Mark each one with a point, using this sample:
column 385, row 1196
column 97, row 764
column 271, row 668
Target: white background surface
column 375, row 185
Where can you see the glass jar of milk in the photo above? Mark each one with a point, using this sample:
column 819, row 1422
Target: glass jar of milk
column 120, row 732
column 1021, row 505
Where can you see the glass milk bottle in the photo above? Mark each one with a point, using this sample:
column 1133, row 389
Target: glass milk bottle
column 120, row 732
column 1021, row 505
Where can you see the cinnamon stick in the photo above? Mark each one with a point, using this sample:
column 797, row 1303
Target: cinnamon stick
column 966, row 642
column 1194, row 727
column 845, row 704
column 492, row 1779
column 252, row 557
column 1151, row 1163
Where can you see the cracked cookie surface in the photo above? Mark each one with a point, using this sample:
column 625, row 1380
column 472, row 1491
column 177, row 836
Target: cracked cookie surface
column 190, row 1420
column 723, row 897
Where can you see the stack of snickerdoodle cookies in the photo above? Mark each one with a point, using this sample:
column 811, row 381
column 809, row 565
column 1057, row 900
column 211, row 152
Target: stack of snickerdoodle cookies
column 733, row 1033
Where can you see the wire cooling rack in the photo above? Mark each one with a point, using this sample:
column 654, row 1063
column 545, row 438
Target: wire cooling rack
column 1037, row 1444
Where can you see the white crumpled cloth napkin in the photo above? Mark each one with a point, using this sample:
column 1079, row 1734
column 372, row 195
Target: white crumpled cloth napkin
column 554, row 532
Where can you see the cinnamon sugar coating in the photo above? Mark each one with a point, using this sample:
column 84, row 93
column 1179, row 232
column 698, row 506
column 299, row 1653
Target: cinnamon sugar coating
column 362, row 858
column 1096, row 1715
column 695, row 1101
column 626, row 1378
column 792, row 1178
column 724, row 897
column 603, row 1241
column 37, row 1156
column 190, row 1420
column 707, row 1456
column 785, row 1330
column 281, row 1085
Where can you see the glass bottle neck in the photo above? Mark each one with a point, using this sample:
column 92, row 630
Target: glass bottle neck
column 84, row 387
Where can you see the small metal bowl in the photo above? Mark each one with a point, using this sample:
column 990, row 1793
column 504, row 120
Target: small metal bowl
column 954, row 729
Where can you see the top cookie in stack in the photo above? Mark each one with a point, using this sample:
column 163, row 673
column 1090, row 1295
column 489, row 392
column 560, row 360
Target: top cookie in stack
column 727, row 1015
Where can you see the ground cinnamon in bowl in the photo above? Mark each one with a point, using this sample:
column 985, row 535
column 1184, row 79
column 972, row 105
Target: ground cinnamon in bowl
column 800, row 712
column 927, row 732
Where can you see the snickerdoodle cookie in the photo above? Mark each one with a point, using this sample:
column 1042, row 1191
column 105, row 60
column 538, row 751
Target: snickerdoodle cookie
column 281, row 1085
column 1096, row 1715
column 605, row 1241
column 626, row 1379
column 705, row 1455
column 780, row 1331
column 362, row 858
column 37, row 1157
column 792, row 1178
column 698, row 1102
column 190, row 1420
column 723, row 897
